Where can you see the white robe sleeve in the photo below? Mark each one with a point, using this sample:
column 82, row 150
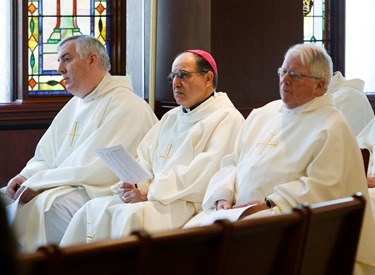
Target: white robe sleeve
column 222, row 184
column 366, row 137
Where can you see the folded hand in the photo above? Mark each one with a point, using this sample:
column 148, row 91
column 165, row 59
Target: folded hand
column 27, row 194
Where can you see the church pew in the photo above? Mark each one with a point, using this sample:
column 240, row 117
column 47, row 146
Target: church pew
column 266, row 245
column 332, row 236
column 317, row 239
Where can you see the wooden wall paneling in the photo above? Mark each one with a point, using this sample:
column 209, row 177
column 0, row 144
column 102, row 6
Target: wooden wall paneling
column 17, row 147
column 181, row 25
column 337, row 35
column 249, row 40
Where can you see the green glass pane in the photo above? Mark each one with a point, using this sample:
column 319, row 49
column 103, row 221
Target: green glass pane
column 32, row 60
column 32, row 25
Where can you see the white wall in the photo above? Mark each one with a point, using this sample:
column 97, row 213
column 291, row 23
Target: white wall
column 360, row 42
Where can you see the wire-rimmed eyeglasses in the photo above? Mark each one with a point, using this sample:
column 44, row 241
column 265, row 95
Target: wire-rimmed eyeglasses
column 181, row 74
column 293, row 75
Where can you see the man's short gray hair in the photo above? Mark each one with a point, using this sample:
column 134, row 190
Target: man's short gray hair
column 85, row 45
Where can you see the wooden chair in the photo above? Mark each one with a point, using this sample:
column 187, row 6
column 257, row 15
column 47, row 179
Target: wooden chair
column 190, row 251
column 332, row 236
column 268, row 245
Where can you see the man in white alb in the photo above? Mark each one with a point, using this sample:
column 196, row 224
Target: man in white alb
column 349, row 98
column 65, row 171
column 182, row 152
column 366, row 139
column 294, row 150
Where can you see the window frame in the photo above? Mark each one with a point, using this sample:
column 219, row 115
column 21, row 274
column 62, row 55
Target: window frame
column 34, row 112
column 337, row 31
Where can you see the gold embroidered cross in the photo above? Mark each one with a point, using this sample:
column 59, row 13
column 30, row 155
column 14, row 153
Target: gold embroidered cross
column 90, row 237
column 167, row 156
column 73, row 134
column 267, row 143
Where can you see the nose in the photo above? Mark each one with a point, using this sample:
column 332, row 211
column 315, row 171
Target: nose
column 285, row 78
column 176, row 82
column 61, row 69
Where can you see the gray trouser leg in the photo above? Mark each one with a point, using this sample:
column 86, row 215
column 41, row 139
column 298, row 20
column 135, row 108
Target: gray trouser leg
column 58, row 217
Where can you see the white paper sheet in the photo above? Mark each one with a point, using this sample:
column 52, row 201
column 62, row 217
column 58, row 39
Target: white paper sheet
column 11, row 209
column 228, row 214
column 123, row 164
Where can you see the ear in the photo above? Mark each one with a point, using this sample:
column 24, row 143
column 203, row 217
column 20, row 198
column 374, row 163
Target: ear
column 320, row 87
column 209, row 78
column 93, row 58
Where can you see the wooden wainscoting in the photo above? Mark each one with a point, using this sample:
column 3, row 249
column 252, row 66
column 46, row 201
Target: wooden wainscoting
column 17, row 147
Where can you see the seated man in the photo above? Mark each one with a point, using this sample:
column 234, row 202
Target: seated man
column 65, row 171
column 294, row 150
column 366, row 139
column 181, row 152
column 349, row 98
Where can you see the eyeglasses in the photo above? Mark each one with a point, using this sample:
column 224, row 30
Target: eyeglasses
column 293, row 75
column 183, row 75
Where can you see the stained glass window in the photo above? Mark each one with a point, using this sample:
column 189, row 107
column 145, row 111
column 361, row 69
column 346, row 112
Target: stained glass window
column 51, row 21
column 317, row 22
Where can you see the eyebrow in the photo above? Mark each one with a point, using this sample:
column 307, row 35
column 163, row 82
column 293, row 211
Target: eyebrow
column 61, row 57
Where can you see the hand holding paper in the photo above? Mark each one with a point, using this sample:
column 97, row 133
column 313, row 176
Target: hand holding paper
column 123, row 164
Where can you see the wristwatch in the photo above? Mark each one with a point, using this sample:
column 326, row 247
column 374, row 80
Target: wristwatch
column 269, row 203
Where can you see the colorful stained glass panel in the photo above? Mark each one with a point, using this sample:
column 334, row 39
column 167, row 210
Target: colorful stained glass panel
column 51, row 21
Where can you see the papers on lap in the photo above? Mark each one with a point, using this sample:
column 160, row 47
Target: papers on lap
column 11, row 209
column 228, row 214
column 123, row 164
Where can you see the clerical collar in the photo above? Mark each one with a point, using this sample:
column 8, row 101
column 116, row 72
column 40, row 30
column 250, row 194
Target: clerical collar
column 195, row 106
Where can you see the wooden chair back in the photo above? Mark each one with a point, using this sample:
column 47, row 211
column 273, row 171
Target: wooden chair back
column 118, row 256
column 196, row 250
column 268, row 245
column 332, row 236
column 34, row 263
